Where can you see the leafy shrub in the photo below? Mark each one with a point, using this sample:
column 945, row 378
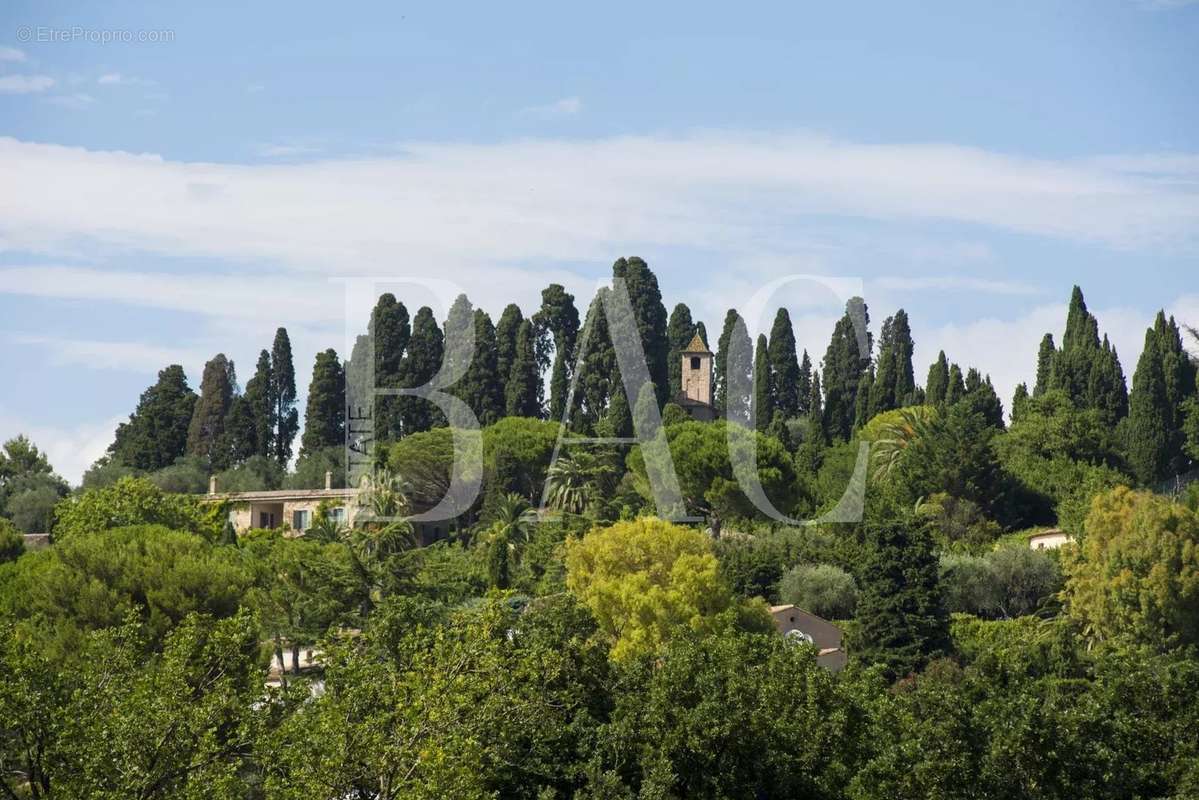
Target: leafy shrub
column 823, row 589
column 134, row 501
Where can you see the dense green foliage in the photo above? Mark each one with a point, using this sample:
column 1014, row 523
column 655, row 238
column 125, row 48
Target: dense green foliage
column 588, row 648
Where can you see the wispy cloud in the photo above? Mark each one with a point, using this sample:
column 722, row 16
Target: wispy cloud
column 286, row 150
column 77, row 101
column 25, row 84
column 955, row 283
column 70, row 449
column 478, row 208
column 566, row 107
column 11, row 54
column 205, row 294
column 118, row 79
column 94, row 354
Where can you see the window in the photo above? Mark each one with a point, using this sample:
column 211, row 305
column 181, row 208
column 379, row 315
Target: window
column 299, row 520
column 337, row 514
column 694, row 362
column 266, row 519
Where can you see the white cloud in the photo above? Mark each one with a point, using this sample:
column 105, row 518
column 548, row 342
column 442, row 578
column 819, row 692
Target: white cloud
column 11, row 54
column 70, row 449
column 119, row 79
column 77, row 101
column 1007, row 348
column 94, row 354
column 206, row 294
column 25, row 84
column 955, row 283
column 481, row 207
column 566, row 107
column 286, row 150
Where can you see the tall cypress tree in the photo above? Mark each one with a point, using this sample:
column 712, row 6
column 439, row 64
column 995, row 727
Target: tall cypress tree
column 206, row 437
column 251, row 423
column 522, row 396
column 844, row 362
column 723, row 349
column 763, row 400
column 283, row 397
column 981, row 396
column 481, row 388
column 1020, row 401
column 784, row 365
column 1106, row 388
column 955, row 388
column 156, row 433
column 1045, row 356
column 679, row 331
column 816, row 430
column 387, row 335
column 904, row 623
column 598, row 361
column 902, row 348
column 861, row 410
column 1150, row 441
column 1087, row 371
column 894, row 383
column 1178, row 368
column 1073, row 365
column 425, row 351
column 558, row 322
column 938, row 381
column 804, row 384
column 459, row 350
column 325, row 412
column 882, row 389
column 736, row 392
column 617, row 419
column 505, row 340
column 650, row 316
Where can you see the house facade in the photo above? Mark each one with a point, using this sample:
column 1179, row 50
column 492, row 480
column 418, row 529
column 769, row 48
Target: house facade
column 796, row 624
column 292, row 510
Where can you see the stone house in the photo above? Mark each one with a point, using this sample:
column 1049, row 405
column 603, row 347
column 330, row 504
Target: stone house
column 290, row 509
column 799, row 625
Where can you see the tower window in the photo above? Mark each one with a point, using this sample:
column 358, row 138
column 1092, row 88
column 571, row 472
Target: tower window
column 694, row 362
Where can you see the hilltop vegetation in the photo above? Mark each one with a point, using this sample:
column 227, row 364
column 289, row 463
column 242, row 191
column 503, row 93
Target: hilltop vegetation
column 590, row 648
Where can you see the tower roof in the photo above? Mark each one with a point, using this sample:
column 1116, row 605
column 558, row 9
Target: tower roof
column 696, row 345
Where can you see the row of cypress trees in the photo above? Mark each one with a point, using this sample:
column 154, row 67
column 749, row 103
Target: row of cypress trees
column 504, row 377
column 222, row 426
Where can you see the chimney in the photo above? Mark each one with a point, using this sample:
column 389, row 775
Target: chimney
column 212, row 484
column 328, row 480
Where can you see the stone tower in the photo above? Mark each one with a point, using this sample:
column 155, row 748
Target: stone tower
column 697, row 374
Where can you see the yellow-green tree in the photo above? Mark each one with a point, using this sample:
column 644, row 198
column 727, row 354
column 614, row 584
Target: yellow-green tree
column 1136, row 573
column 644, row 580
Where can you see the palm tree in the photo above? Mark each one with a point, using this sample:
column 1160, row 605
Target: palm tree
column 910, row 425
column 381, row 496
column 572, row 483
column 514, row 519
column 325, row 529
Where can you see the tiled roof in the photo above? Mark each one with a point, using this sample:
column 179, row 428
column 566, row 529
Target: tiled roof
column 284, row 494
column 697, row 345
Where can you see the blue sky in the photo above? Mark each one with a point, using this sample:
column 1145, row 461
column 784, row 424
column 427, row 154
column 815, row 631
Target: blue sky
column 161, row 201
